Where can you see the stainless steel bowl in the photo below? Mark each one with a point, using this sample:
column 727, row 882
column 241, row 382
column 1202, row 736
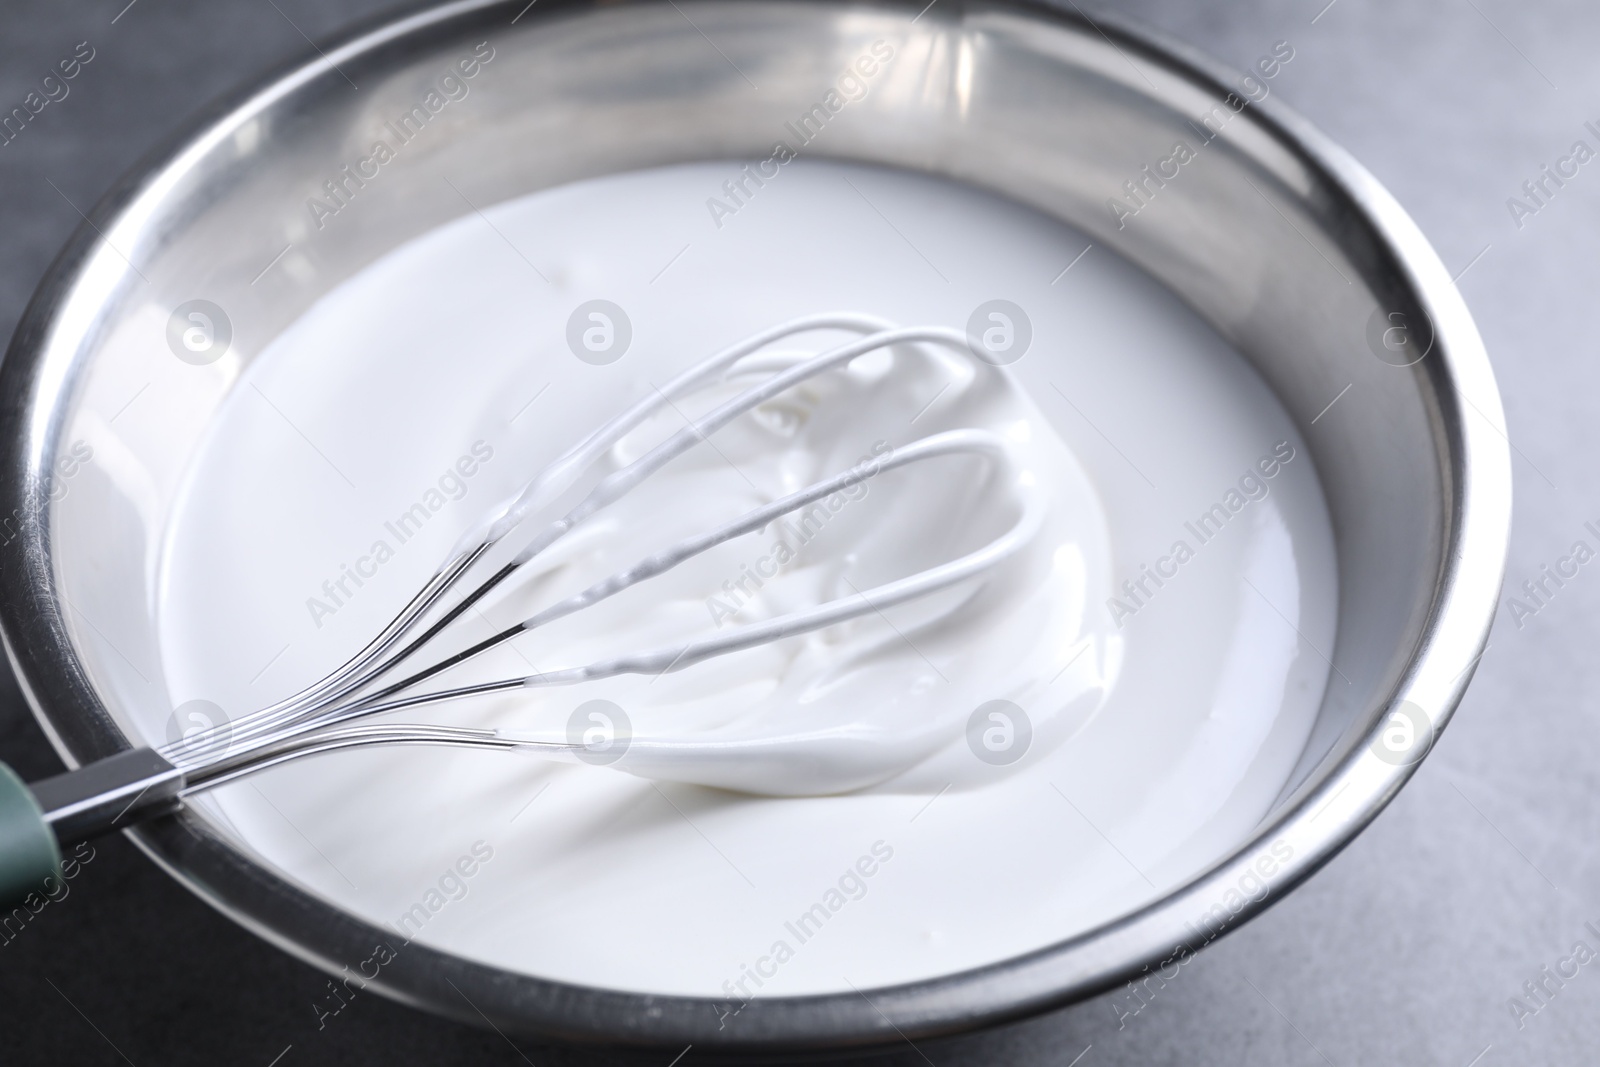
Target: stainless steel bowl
column 1291, row 250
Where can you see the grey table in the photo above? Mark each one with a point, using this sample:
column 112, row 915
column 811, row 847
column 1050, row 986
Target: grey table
column 1415, row 946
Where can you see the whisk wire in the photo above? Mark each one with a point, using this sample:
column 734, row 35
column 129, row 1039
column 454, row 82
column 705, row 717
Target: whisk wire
column 316, row 718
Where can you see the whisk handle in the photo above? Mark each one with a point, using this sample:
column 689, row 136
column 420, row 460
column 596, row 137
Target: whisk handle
column 97, row 798
column 28, row 850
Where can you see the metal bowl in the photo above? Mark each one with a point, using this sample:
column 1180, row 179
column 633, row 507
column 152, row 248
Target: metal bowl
column 1284, row 244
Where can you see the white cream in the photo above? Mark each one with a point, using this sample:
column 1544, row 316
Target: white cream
column 1165, row 730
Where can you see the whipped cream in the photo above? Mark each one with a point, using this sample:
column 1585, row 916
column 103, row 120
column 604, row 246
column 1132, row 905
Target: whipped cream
column 752, row 779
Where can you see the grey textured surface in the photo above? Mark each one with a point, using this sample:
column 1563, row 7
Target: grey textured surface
column 1407, row 949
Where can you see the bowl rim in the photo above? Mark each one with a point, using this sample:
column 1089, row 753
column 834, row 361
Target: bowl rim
column 58, row 690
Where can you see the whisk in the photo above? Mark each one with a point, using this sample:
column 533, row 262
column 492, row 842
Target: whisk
column 328, row 715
